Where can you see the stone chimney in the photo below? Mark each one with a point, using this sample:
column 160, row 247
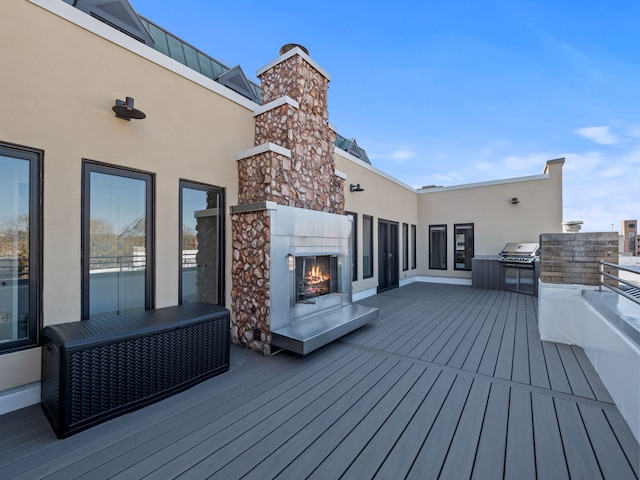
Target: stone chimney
column 291, row 164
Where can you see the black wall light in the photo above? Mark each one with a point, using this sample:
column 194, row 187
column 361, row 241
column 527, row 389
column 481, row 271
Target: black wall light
column 356, row 188
column 125, row 110
column 514, row 201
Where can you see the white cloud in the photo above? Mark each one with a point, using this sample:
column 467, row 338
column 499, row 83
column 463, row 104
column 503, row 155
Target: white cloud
column 582, row 162
column 600, row 135
column 402, row 154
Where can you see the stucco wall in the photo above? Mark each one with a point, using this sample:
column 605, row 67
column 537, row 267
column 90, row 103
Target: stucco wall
column 383, row 198
column 57, row 88
column 496, row 220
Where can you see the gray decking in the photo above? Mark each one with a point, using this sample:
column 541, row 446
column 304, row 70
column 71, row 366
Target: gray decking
column 448, row 382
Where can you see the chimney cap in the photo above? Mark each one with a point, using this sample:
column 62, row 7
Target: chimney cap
column 290, row 46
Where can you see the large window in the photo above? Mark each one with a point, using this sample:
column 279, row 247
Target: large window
column 463, row 239
column 117, row 240
column 414, row 247
column 367, row 246
column 438, row 247
column 201, row 243
column 20, row 247
column 354, row 246
column 405, row 247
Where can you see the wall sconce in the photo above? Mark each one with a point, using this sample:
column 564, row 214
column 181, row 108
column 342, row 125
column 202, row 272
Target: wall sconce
column 514, row 200
column 125, row 110
column 355, row 188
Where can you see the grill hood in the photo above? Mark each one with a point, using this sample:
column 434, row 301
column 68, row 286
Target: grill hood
column 520, row 250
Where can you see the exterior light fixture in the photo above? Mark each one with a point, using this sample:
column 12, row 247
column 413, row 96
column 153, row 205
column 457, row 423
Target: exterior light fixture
column 355, row 188
column 125, row 110
column 514, row 201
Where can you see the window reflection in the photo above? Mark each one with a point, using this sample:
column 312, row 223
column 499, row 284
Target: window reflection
column 14, row 248
column 201, row 247
column 118, row 241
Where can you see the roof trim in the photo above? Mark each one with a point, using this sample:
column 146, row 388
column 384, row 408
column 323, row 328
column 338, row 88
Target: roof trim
column 77, row 17
column 531, row 178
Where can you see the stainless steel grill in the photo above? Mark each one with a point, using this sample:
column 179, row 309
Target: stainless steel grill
column 520, row 253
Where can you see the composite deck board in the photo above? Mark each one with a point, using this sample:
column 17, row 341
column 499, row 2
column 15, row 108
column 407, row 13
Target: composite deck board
column 144, row 442
column 520, row 370
column 550, row 459
column 504, row 363
column 432, row 335
column 625, row 438
column 463, row 349
column 612, row 461
column 490, row 354
column 490, row 455
column 377, row 448
column 401, row 457
column 278, row 404
column 448, row 382
column 430, row 323
column 537, row 365
column 577, row 381
column 473, row 359
column 236, row 460
column 435, row 448
column 462, row 452
column 443, row 347
column 342, row 456
column 461, row 339
column 555, row 368
column 323, row 436
column 595, row 383
column 575, row 440
column 520, row 462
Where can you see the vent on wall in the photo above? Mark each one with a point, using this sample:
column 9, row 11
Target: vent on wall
column 118, row 14
column 237, row 81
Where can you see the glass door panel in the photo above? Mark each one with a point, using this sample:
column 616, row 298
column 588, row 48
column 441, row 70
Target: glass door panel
column 201, row 244
column 117, row 244
column 14, row 248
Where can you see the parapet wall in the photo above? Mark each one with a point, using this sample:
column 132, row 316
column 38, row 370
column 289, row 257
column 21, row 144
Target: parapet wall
column 573, row 258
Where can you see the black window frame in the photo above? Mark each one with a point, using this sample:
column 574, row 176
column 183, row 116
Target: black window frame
column 440, row 227
column 405, row 247
column 35, row 157
column 414, row 247
column 369, row 264
column 221, row 237
column 88, row 167
column 354, row 246
column 467, row 267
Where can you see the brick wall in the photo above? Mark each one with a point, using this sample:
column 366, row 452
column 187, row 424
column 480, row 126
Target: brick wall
column 573, row 258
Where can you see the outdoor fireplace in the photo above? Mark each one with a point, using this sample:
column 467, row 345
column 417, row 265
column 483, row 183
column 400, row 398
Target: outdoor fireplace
column 291, row 265
column 315, row 276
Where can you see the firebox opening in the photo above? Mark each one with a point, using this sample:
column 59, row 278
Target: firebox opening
column 316, row 276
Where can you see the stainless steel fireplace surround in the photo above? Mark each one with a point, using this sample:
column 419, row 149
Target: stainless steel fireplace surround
column 303, row 323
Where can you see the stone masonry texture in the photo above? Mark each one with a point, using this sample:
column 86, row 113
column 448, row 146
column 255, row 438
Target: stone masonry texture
column 306, row 179
column 573, row 258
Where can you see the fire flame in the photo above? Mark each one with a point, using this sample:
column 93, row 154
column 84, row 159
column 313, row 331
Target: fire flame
column 315, row 275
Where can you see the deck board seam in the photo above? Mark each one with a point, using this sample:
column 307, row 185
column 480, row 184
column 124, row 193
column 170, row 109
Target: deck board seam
column 475, row 375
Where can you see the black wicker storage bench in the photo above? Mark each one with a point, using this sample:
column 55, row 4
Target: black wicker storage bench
column 95, row 370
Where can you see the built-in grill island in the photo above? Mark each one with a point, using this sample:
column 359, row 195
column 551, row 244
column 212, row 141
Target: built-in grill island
column 515, row 268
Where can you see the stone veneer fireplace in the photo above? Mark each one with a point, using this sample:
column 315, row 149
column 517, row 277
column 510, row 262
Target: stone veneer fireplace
column 291, row 269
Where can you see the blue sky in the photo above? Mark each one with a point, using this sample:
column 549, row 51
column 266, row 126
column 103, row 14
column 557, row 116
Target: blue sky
column 454, row 92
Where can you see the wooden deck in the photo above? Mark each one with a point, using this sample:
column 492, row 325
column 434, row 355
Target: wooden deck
column 449, row 382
